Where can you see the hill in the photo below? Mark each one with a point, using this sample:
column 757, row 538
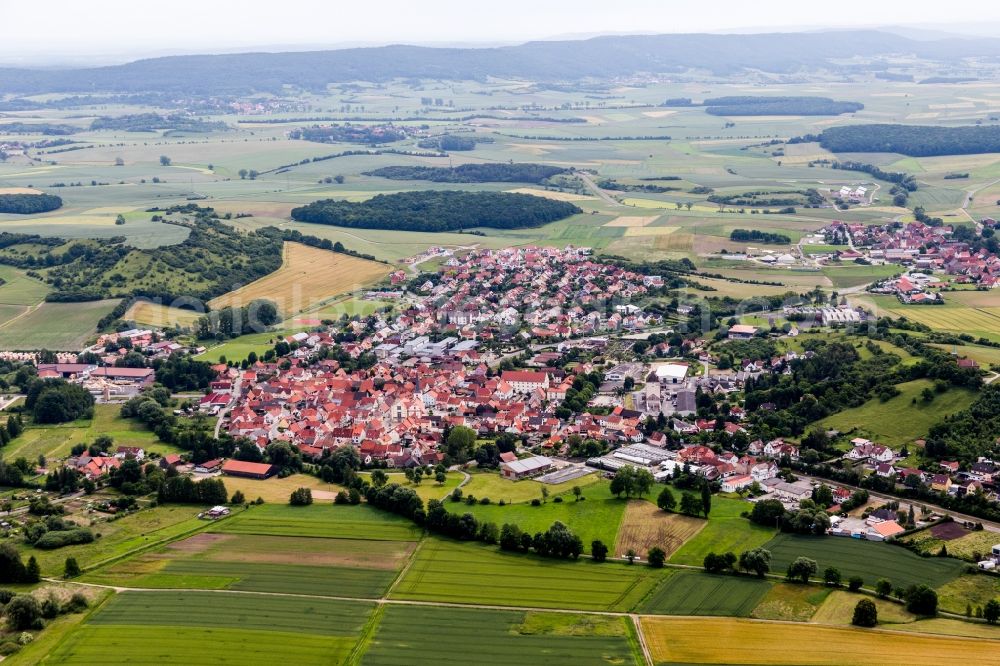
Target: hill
column 601, row 57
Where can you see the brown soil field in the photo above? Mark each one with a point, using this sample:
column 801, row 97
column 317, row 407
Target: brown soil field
column 644, row 525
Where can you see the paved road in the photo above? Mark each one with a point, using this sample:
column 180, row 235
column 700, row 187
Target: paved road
column 592, row 186
column 237, row 384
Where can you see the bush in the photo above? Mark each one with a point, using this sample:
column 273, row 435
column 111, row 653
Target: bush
column 72, row 569
column 855, row 583
column 921, row 600
column 598, row 551
column 656, row 557
column 60, row 538
column 8, row 648
column 301, row 497
column 76, row 604
column 536, row 502
column 865, row 614
column 24, row 612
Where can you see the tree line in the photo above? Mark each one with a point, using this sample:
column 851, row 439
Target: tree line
column 486, row 172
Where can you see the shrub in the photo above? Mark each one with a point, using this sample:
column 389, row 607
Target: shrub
column 855, row 583
column 865, row 614
column 301, row 497
column 76, row 604
column 656, row 557
column 60, row 538
column 24, row 612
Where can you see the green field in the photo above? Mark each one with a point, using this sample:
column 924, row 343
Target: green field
column 470, row 573
column 697, row 593
column 19, row 289
column 726, row 531
column 495, row 487
column 867, row 559
column 206, row 627
column 239, row 348
column 54, row 326
column 418, row 636
column 327, row 521
column 596, row 517
column 899, row 420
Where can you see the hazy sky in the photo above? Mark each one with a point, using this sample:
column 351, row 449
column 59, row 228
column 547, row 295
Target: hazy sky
column 73, row 28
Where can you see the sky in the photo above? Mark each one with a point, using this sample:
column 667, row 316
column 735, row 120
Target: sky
column 110, row 29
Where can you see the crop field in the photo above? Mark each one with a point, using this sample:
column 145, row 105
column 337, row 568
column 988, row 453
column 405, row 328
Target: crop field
column 56, row 441
column 494, row 486
column 644, row 525
column 157, row 315
column 596, row 517
column 698, row 593
column 726, row 531
column 736, row 641
column 896, row 422
column 790, row 602
column 976, row 321
column 867, row 559
column 419, row 636
column 218, row 628
column 307, row 277
column 54, row 326
column 327, row 521
column 470, row 573
column 19, row 289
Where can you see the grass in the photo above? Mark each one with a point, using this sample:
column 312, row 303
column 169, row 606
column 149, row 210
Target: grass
column 428, row 488
column 470, row 573
column 972, row 547
column 698, row 593
column 596, row 517
column 157, row 315
column 277, row 490
column 790, row 602
column 899, row 421
column 868, row 559
column 971, row 589
column 503, row 638
column 19, row 289
column 239, row 348
column 56, row 441
column 307, row 277
column 745, row 642
column 726, row 531
column 327, row 521
column 120, row 537
column 839, row 609
column 203, row 627
column 494, row 486
column 54, row 326
column 644, row 525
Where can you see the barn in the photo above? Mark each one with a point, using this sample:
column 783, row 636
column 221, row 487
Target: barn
column 248, row 470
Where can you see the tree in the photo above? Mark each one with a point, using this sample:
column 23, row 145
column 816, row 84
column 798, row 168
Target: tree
column 458, row 445
column 690, row 504
column 855, row 583
column 243, row 174
column 757, row 560
column 706, row 499
column 631, row 481
column 301, row 497
column 379, row 478
column 72, row 569
column 767, row 512
column 715, row 563
column 801, row 569
column 991, row 611
column 32, row 572
column 921, row 600
column 440, row 476
column 656, row 557
column 865, row 614
column 23, row 612
column 238, row 498
column 598, row 550
column 630, row 555
column 577, row 492
column 832, row 577
column 883, row 588
column 666, row 500
column 164, row 160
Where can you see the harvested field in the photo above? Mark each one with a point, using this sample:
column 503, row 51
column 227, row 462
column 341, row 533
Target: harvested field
column 558, row 196
column 634, row 231
column 199, row 543
column 19, row 190
column 147, row 313
column 644, row 525
column 728, row 641
column 308, row 276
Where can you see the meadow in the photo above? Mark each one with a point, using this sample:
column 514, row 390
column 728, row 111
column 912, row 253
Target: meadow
column 494, row 486
column 698, row 593
column 726, row 531
column 420, row 636
column 901, row 419
column 54, row 326
column 745, row 642
column 307, row 277
column 327, row 521
column 239, row 348
column 470, row 573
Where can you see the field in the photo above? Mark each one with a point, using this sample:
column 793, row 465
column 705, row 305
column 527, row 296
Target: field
column 474, row 574
column 954, row 316
column 726, row 531
column 53, row 326
column 419, row 636
column 326, row 521
column 644, row 525
column 55, row 441
column 745, row 642
column 494, row 486
column 596, row 517
column 277, row 490
column 147, row 313
column 308, row 276
column 867, row 559
column 839, row 609
column 428, row 488
column 19, row 289
column 205, row 627
column 239, row 348
column 790, row 602
column 697, row 593
column 897, row 421
column 972, row 546
column 974, row 589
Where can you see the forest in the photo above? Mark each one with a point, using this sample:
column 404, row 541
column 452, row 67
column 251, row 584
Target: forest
column 151, row 122
column 438, row 210
column 495, row 172
column 778, row 106
column 29, row 204
column 912, row 140
column 756, row 236
column 347, row 133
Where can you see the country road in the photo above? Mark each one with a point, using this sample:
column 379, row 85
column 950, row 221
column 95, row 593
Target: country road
column 589, row 182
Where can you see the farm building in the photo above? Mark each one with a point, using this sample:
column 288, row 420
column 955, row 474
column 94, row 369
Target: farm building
column 249, row 470
column 742, row 332
column 523, row 469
